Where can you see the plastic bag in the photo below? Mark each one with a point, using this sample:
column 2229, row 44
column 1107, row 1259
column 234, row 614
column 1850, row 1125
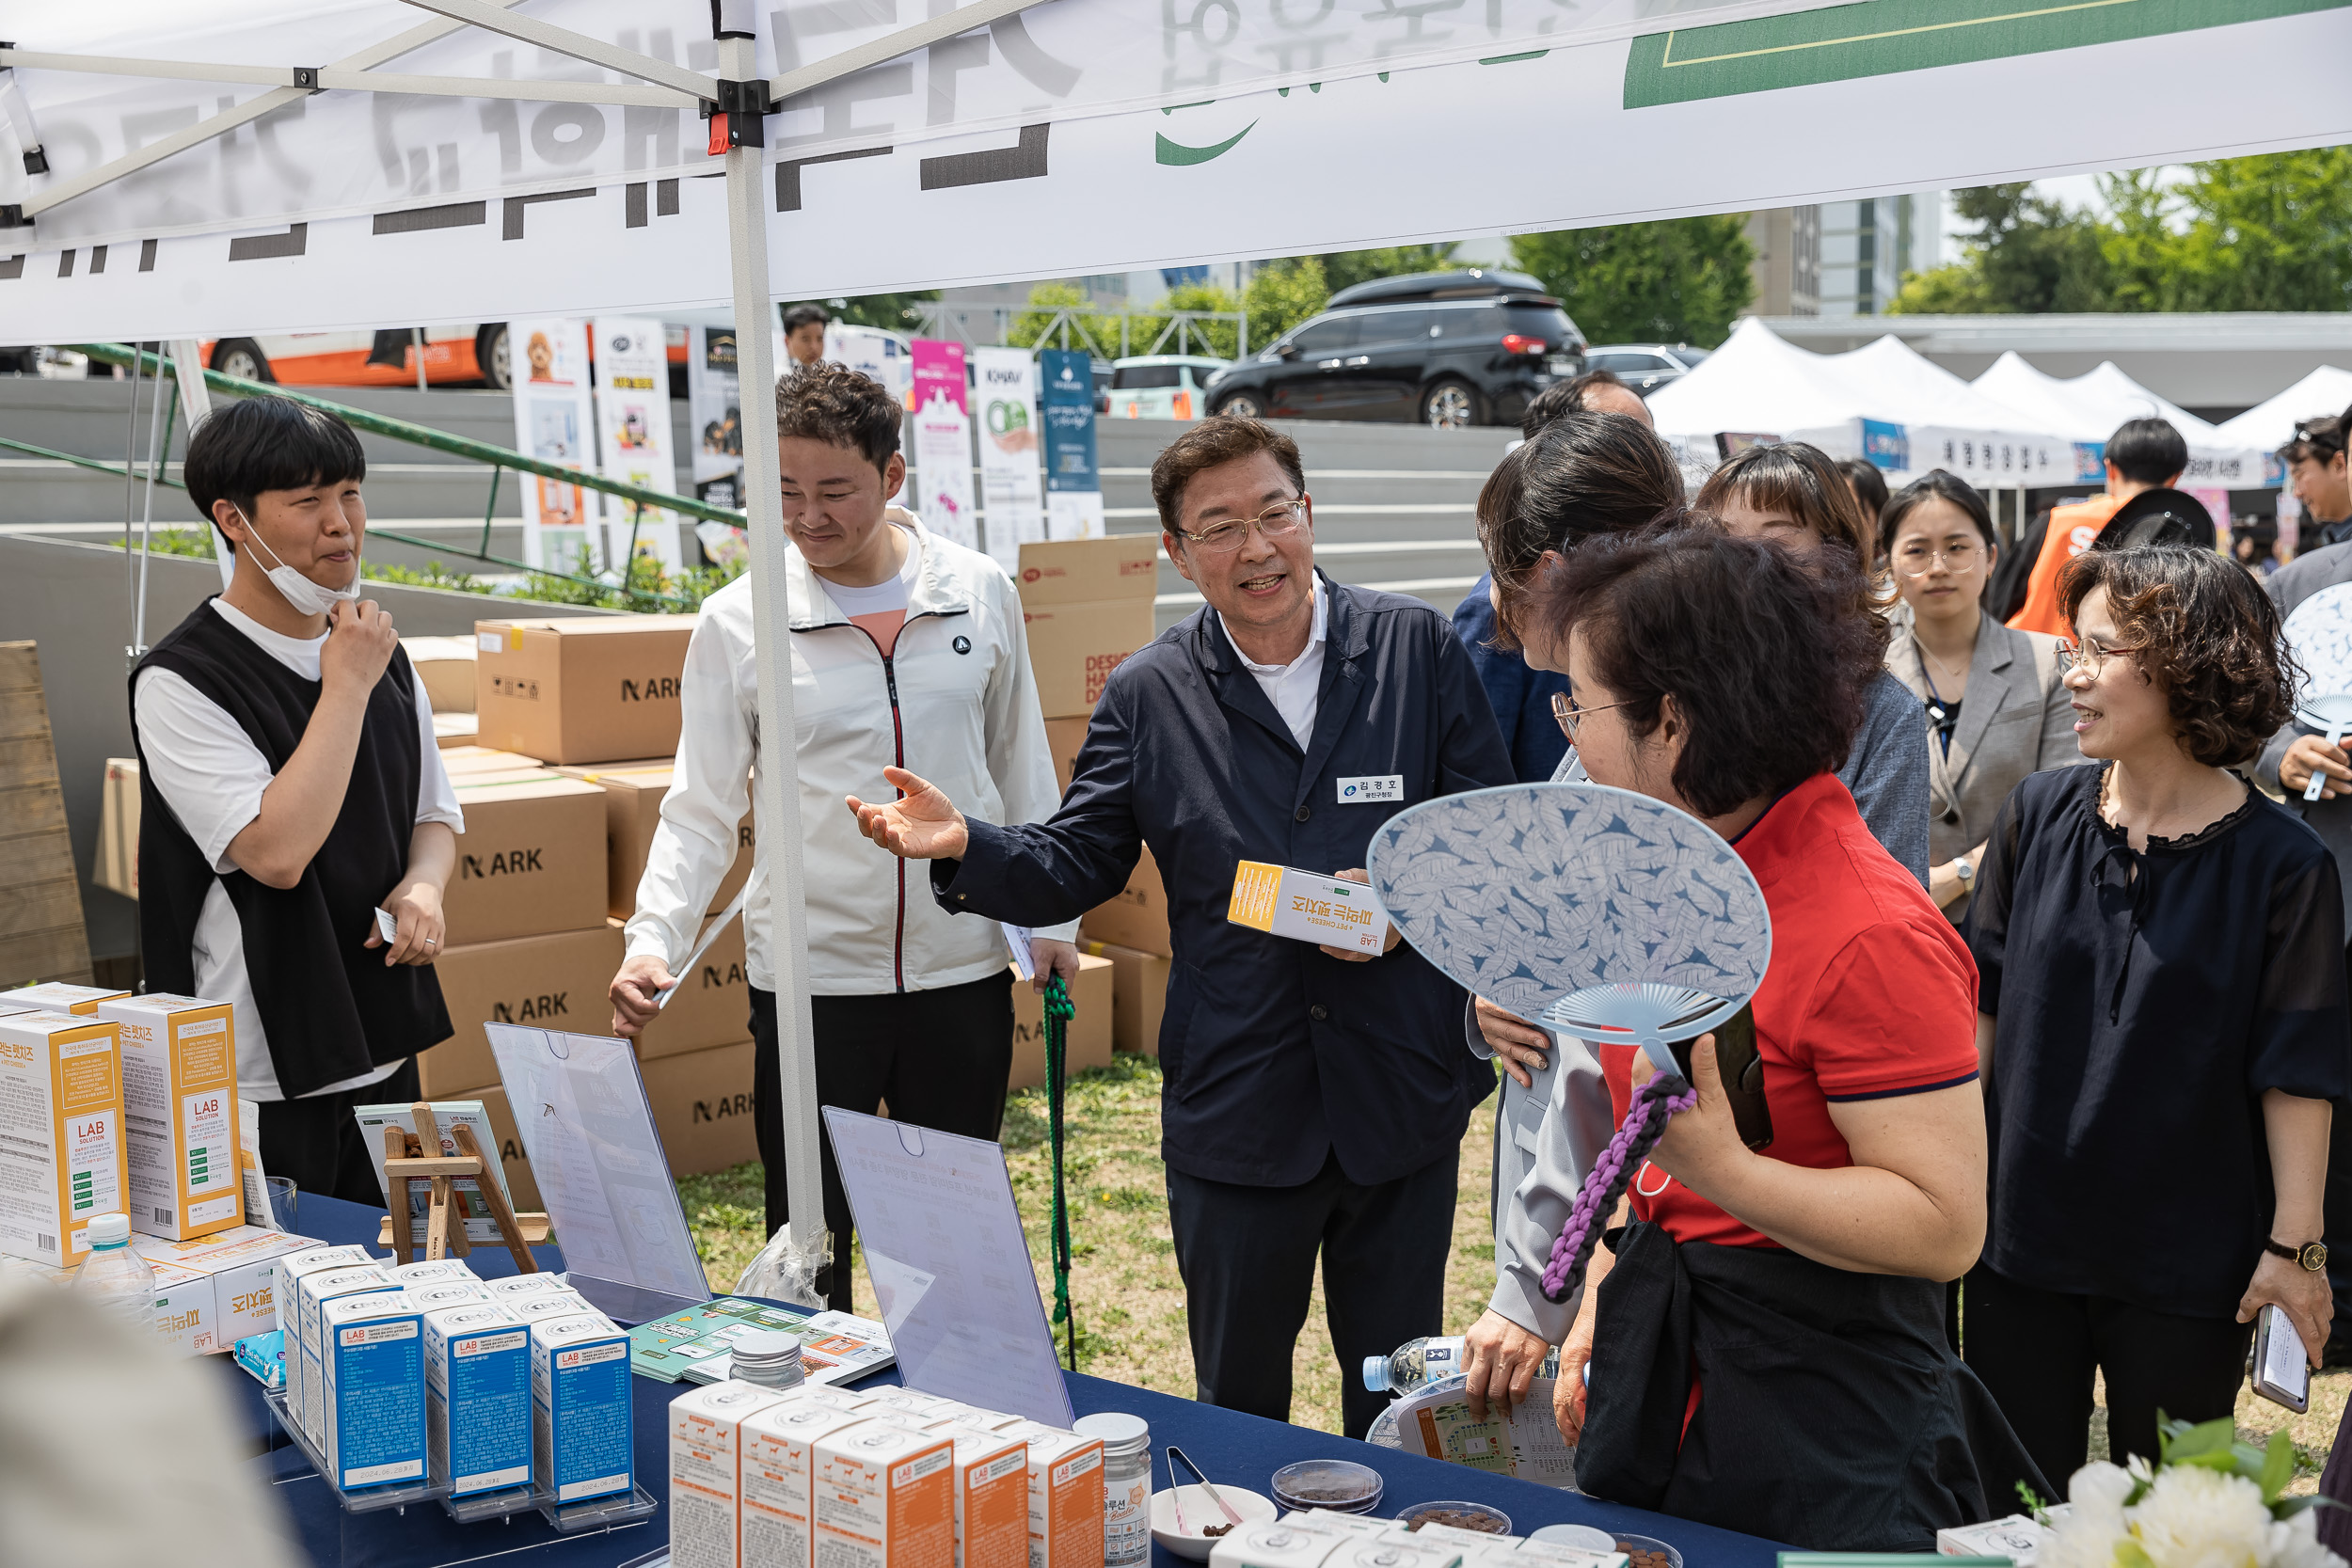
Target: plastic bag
column 787, row 1270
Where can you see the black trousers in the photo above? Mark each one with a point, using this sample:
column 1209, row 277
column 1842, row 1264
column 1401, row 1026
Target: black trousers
column 1248, row 1257
column 939, row 1058
column 317, row 1143
column 2038, row 1350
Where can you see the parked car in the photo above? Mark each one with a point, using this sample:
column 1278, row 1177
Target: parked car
column 1445, row 349
column 1161, row 386
column 1644, row 367
column 461, row 355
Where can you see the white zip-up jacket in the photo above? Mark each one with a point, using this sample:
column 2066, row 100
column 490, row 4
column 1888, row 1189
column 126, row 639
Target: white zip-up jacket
column 955, row 702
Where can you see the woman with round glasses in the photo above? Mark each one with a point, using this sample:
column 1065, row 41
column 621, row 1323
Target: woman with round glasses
column 1996, row 709
column 2163, row 1022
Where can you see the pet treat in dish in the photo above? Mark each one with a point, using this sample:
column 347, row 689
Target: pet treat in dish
column 1642, row 1551
column 1339, row 1484
column 1457, row 1515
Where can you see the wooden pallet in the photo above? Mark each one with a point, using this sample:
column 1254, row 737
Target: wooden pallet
column 42, row 934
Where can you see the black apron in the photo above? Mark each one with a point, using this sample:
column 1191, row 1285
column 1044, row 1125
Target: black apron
column 1833, row 1415
column 330, row 1007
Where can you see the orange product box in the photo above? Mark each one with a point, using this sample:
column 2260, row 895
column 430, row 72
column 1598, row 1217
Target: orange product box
column 56, row 996
column 706, row 1472
column 1065, row 1497
column 61, row 1122
column 992, row 1485
column 779, row 1469
column 885, row 1497
column 180, row 1108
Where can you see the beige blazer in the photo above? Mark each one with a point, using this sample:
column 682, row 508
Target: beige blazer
column 2015, row 719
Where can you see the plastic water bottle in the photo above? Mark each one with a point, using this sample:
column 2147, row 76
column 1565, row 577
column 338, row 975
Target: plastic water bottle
column 1417, row 1363
column 116, row 1279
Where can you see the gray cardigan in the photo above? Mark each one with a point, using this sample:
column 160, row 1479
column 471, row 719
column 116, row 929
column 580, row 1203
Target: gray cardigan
column 2288, row 587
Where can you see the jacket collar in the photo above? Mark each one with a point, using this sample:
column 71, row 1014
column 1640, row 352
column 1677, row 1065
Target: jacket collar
column 936, row 590
column 1346, row 636
column 1988, row 690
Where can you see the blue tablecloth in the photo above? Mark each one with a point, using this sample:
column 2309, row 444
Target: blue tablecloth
column 1242, row 1450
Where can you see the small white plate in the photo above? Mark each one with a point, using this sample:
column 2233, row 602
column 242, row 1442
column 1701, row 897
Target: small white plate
column 1199, row 1512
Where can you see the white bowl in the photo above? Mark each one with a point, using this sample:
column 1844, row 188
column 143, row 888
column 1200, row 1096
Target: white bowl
column 1199, row 1512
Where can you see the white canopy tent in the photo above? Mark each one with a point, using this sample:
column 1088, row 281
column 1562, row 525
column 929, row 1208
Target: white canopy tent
column 2269, row 425
column 176, row 169
column 1948, row 424
column 2087, row 408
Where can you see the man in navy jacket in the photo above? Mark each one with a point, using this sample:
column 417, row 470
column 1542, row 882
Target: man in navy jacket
column 1313, row 1099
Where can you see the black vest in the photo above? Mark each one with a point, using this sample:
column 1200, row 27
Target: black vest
column 330, row 1007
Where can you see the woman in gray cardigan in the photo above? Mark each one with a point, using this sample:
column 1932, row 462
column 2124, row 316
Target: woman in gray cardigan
column 1996, row 709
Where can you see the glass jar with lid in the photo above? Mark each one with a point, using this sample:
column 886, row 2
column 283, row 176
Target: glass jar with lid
column 1126, row 1485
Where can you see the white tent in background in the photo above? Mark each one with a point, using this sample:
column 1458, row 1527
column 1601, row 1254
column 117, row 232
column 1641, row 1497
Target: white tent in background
column 2267, row 426
column 1948, row 424
column 1760, row 385
column 2087, row 408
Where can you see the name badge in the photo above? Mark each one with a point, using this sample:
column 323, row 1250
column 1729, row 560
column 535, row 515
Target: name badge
column 1357, row 792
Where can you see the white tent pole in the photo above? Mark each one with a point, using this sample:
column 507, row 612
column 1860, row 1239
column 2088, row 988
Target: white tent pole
column 778, row 846
column 631, row 94
column 195, row 403
column 492, row 17
column 948, row 25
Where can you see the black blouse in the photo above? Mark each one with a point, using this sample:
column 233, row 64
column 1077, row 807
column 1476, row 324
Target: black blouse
column 2145, row 1002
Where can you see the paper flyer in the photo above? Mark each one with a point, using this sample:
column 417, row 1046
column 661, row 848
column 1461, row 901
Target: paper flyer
column 870, row 351
column 1437, row 1422
column 634, row 431
column 1074, row 484
column 943, row 443
column 554, row 422
column 1013, row 503
column 696, row 1344
column 714, row 403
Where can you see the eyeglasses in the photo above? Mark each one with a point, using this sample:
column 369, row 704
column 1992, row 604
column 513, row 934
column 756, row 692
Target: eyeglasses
column 2073, row 655
column 1564, row 708
column 1918, row 560
column 1276, row 522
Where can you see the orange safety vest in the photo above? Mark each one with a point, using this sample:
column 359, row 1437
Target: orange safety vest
column 2072, row 530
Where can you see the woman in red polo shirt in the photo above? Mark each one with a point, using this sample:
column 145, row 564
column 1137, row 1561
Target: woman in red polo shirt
column 1767, row 1342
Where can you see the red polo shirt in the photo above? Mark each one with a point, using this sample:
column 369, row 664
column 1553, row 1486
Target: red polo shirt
column 1870, row 995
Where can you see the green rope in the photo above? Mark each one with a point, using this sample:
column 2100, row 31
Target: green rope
column 1059, row 1010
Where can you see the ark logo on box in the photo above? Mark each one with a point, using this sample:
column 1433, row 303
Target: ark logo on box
column 532, row 1009
column 654, row 689
column 723, row 1108
column 503, row 863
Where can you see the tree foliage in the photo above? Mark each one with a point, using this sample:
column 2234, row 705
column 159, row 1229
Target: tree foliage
column 894, row 311
column 1345, row 269
column 1281, row 294
column 2269, row 233
column 1682, row 281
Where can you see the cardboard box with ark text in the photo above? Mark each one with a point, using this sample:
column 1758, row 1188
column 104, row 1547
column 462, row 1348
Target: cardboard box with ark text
column 1088, row 605
column 1138, row 994
column 532, row 857
column 633, row 792
column 711, row 1005
column 558, row 981
column 596, row 688
column 702, row 1107
column 1089, row 1038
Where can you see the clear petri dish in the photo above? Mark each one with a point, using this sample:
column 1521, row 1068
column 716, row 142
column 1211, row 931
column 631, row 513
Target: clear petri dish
column 1339, row 1484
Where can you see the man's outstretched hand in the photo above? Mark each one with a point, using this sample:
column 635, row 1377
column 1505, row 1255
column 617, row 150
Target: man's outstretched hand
column 921, row 825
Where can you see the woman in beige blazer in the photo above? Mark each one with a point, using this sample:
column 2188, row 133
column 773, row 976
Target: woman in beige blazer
column 1994, row 708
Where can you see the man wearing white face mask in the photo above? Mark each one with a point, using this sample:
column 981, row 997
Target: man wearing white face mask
column 290, row 787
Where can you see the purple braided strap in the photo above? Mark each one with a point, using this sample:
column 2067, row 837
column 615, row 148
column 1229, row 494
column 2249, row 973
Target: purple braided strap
column 1645, row 1123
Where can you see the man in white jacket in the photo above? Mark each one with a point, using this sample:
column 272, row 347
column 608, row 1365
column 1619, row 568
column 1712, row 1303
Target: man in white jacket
column 909, row 651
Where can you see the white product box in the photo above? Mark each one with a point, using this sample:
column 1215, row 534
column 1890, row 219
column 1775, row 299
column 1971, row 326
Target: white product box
column 546, row 1304
column 2017, row 1537
column 1364, row 1553
column 504, row 1291
column 371, row 1389
column 1468, row 1540
column 456, row 1292
column 1308, row 906
column 1336, row 1522
column 477, row 1393
column 909, row 1406
column 885, row 1497
column 706, row 1472
column 61, row 1155
column 286, row 1275
column 437, row 1271
column 56, row 996
column 184, row 1314
column 1065, row 1497
column 1281, row 1545
column 835, row 1398
column 312, row 1291
column 1553, row 1554
column 991, row 1471
column 242, row 1263
column 779, row 1471
column 180, row 1109
column 580, row 1407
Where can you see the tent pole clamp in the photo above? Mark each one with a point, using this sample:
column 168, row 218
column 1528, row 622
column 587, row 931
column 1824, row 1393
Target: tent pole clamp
column 738, row 118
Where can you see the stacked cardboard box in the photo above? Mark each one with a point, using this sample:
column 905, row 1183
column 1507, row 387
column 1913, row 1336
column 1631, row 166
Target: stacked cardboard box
column 633, row 792
column 1087, row 603
column 1138, row 993
column 1089, row 1039
column 1137, row 915
column 595, row 690
column 117, row 865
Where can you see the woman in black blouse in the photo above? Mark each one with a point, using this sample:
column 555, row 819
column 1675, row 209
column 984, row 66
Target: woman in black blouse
column 2163, row 1023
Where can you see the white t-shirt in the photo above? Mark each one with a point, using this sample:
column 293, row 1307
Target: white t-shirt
column 1295, row 688
column 882, row 597
column 212, row 776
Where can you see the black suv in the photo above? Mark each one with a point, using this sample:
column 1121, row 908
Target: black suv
column 1446, row 349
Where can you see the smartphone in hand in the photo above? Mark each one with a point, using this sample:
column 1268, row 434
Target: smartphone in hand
column 2281, row 1373
column 1743, row 1069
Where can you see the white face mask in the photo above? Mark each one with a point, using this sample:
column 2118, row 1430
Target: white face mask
column 307, row 597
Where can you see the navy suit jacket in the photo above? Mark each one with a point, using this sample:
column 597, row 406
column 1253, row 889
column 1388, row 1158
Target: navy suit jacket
column 1521, row 697
column 1274, row 1053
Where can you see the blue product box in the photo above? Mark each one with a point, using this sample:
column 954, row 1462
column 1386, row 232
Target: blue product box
column 311, row 1292
column 477, row 1390
column 373, row 1390
column 579, row 1411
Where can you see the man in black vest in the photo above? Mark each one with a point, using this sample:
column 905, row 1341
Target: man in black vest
column 289, row 787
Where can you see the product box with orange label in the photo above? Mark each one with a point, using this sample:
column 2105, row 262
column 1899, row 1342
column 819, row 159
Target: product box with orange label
column 1065, row 1497
column 594, row 689
column 633, row 793
column 1087, row 604
column 179, row 1110
column 779, row 1479
column 532, row 859
column 706, row 1472
column 56, row 996
column 991, row 1481
column 61, row 1156
column 885, row 1497
column 1307, row 906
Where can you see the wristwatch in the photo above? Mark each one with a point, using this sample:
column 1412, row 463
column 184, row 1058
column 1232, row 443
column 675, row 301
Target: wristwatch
column 1965, row 872
column 2311, row 1256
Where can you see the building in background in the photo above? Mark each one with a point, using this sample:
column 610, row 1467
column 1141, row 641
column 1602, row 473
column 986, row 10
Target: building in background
column 1788, row 263
column 1839, row 259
